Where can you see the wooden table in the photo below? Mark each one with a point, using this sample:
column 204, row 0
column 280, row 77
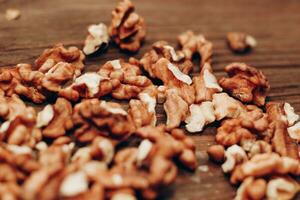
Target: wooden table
column 274, row 23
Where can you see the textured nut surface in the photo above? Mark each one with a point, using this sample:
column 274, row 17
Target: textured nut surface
column 176, row 109
column 192, row 44
column 245, row 83
column 132, row 82
column 93, row 117
column 205, row 84
column 226, row 106
column 265, row 164
column 282, row 143
column 127, row 28
column 50, row 57
column 61, row 121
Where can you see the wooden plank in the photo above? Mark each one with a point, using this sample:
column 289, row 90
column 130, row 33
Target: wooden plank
column 273, row 22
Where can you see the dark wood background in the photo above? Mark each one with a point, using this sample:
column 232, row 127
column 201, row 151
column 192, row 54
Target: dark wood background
column 274, row 23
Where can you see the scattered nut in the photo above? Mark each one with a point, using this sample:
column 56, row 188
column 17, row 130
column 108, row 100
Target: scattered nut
column 240, row 42
column 251, row 189
column 98, row 37
column 216, row 153
column 294, row 132
column 50, row 57
column 192, row 44
column 176, row 109
column 127, row 28
column 265, row 164
column 234, row 155
column 226, row 106
column 162, row 49
column 246, row 83
column 281, row 141
column 282, row 187
column 205, row 84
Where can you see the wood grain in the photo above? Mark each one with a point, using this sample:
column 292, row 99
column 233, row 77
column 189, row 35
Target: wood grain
column 274, row 23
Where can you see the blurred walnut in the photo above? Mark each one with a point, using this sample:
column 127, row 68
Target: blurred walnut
column 55, row 119
column 12, row 14
column 258, row 147
column 176, row 109
column 216, row 153
column 246, row 83
column 234, row 156
column 55, row 154
column 265, row 164
column 162, row 49
column 57, row 76
column 19, row 127
column 10, row 190
column 240, row 42
column 127, row 28
column 78, row 185
column 192, row 44
column 50, row 57
column 290, row 114
column 93, row 117
column 17, row 162
column 89, row 85
column 294, row 132
column 129, row 75
column 200, row 115
column 205, row 84
column 140, row 114
column 252, row 189
column 97, row 37
column 282, row 187
column 23, row 81
column 281, row 141
column 43, row 183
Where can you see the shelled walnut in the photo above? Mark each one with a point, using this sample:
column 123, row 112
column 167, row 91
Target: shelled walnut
column 162, row 49
column 205, row 84
column 23, row 81
column 50, row 57
column 132, row 82
column 89, row 85
column 246, row 83
column 240, row 42
column 249, row 125
column 282, row 143
column 192, row 44
column 93, row 117
column 265, row 164
column 55, row 119
column 127, row 28
column 97, row 37
column 19, row 125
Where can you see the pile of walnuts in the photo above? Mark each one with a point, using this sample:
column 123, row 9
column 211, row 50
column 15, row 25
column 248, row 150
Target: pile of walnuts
column 83, row 147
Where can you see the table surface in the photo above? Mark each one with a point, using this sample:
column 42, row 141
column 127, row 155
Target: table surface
column 274, row 23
